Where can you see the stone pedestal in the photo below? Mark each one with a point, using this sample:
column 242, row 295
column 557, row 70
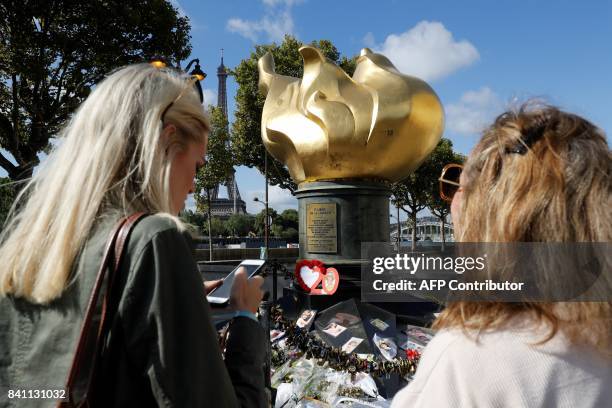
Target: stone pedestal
column 337, row 216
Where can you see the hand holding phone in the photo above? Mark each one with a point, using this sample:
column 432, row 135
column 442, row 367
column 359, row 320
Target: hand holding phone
column 209, row 286
column 221, row 295
column 246, row 294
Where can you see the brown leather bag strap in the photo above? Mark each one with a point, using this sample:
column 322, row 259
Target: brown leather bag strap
column 79, row 382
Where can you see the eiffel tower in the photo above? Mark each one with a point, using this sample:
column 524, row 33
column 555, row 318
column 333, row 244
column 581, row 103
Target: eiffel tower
column 233, row 204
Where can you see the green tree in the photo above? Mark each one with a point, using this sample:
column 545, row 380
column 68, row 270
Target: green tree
column 53, row 52
column 443, row 155
column 276, row 230
column 414, row 193
column 247, row 145
column 259, row 225
column 289, row 223
column 194, row 218
column 290, row 234
column 218, row 228
column 289, row 218
column 240, row 224
column 7, row 196
column 219, row 164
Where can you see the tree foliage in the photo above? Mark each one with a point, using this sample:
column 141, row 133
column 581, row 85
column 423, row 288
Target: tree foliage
column 442, row 156
column 289, row 219
column 53, row 52
column 288, row 225
column 284, row 225
column 218, row 228
column 194, row 218
column 218, row 166
column 239, row 225
column 7, row 196
column 219, row 161
column 259, row 225
column 247, row 145
column 418, row 191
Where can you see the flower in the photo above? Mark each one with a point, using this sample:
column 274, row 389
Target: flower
column 412, row 354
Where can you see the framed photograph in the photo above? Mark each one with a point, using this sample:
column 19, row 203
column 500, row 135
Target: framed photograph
column 334, row 329
column 386, row 346
column 379, row 324
column 407, row 345
column 420, row 334
column 351, row 345
column 345, row 319
column 306, row 318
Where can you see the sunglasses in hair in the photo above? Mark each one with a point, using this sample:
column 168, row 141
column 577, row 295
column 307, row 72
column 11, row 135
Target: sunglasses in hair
column 192, row 80
column 449, row 181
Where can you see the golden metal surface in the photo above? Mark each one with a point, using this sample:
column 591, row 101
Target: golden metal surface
column 379, row 124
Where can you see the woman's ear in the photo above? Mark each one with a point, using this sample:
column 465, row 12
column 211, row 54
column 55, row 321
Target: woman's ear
column 167, row 133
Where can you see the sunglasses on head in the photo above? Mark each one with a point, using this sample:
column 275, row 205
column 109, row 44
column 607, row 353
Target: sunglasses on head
column 449, row 181
column 193, row 79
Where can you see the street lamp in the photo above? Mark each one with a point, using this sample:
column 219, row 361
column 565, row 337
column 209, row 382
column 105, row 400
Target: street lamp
column 198, row 73
column 160, row 62
column 266, row 227
column 267, row 232
column 266, row 235
column 399, row 229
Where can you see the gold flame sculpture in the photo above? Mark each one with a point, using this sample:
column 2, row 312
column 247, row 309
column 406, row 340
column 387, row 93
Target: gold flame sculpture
column 380, row 124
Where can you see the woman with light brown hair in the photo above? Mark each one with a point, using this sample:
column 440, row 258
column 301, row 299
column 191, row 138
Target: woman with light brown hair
column 537, row 175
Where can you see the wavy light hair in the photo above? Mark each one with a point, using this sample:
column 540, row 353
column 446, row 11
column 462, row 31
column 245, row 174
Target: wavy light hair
column 111, row 159
column 545, row 175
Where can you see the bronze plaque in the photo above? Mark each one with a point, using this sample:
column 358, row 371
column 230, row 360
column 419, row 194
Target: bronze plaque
column 321, row 228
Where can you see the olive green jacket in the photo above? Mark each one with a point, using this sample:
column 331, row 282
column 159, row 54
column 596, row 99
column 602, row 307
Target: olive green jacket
column 162, row 347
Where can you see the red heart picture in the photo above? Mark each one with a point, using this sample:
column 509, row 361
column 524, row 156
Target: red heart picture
column 306, row 275
column 310, row 273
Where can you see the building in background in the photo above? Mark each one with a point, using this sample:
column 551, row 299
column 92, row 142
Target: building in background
column 233, row 204
column 427, row 229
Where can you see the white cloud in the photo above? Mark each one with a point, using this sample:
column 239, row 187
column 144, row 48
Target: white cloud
column 474, row 111
column 279, row 199
column 247, row 29
column 276, row 22
column 210, row 97
column 427, row 51
column 369, row 40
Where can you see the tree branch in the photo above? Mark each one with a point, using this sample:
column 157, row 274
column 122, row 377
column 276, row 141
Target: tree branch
column 13, row 138
column 6, row 164
column 5, row 125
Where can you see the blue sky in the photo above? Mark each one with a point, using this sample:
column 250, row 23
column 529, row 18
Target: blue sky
column 479, row 56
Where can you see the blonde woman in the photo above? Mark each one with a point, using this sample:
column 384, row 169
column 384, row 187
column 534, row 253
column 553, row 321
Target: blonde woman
column 133, row 146
column 538, row 174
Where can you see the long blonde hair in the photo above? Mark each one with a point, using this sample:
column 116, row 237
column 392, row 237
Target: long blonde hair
column 545, row 175
column 111, row 159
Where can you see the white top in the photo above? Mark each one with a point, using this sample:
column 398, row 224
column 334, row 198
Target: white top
column 504, row 370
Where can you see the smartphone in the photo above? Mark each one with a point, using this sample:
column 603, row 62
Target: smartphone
column 221, row 294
